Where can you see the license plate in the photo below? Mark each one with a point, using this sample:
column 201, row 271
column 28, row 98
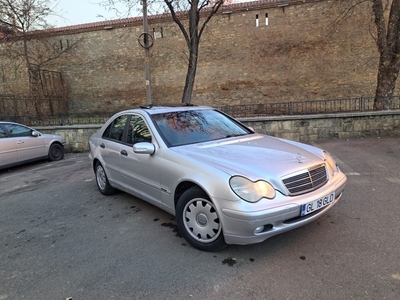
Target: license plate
column 315, row 205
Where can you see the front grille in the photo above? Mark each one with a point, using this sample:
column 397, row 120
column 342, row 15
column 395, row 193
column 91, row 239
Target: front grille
column 306, row 181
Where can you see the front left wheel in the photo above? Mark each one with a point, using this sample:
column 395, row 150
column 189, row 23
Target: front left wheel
column 198, row 220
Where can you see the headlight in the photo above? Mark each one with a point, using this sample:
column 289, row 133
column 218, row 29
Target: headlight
column 331, row 163
column 251, row 191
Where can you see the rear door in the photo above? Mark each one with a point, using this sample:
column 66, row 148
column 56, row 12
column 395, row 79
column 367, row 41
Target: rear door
column 8, row 149
column 111, row 146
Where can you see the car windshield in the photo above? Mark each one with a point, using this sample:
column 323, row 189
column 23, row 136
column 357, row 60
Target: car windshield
column 196, row 126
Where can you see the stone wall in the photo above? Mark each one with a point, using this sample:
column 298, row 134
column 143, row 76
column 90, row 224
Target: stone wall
column 295, row 53
column 329, row 126
column 76, row 136
column 297, row 128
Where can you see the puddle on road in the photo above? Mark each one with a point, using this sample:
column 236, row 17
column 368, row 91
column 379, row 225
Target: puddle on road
column 230, row 261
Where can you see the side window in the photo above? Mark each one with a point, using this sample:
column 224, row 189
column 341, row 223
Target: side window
column 18, row 130
column 138, row 131
column 115, row 130
column 2, row 133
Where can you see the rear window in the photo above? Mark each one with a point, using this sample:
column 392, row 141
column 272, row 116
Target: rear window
column 115, row 130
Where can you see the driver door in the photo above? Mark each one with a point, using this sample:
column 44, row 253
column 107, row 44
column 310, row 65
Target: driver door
column 140, row 171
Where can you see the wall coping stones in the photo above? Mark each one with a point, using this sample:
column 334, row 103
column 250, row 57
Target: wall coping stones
column 321, row 116
column 254, row 119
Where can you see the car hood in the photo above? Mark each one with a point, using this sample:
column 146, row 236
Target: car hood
column 256, row 156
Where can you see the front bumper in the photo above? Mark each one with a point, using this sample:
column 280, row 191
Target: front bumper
column 239, row 226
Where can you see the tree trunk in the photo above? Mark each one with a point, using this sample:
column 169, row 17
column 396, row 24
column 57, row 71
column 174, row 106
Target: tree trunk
column 191, row 73
column 388, row 42
column 387, row 76
column 192, row 37
column 193, row 45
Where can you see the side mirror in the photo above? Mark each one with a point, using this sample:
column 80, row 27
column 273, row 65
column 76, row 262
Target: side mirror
column 35, row 133
column 144, row 148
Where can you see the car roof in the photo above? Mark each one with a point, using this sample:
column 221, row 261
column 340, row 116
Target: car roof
column 9, row 122
column 152, row 110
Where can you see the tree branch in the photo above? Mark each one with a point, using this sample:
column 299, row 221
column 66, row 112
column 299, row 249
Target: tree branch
column 177, row 21
column 214, row 10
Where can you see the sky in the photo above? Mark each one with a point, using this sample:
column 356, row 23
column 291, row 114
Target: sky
column 74, row 12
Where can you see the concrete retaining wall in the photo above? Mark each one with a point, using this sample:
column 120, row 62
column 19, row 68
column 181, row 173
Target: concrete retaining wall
column 329, row 126
column 299, row 128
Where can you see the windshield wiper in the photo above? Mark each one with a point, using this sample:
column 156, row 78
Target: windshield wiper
column 235, row 135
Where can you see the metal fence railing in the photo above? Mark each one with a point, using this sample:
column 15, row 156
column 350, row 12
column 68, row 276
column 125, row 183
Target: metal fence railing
column 306, row 107
column 13, row 105
column 60, row 120
column 361, row 104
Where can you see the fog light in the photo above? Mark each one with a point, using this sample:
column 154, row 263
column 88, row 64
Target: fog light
column 259, row 229
column 268, row 227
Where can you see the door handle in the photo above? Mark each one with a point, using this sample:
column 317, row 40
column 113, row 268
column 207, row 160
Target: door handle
column 124, row 153
column 20, row 142
column 102, row 145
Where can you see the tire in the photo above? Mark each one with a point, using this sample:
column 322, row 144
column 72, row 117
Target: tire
column 102, row 181
column 56, row 152
column 198, row 220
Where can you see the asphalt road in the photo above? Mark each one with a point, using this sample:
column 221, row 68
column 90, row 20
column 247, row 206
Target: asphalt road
column 60, row 238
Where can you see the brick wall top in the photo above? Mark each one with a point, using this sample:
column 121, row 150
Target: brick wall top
column 166, row 17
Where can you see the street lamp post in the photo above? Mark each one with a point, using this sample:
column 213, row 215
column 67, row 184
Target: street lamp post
column 147, row 45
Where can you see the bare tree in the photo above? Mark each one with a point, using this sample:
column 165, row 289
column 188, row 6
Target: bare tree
column 187, row 14
column 29, row 42
column 386, row 16
column 25, row 15
column 388, row 42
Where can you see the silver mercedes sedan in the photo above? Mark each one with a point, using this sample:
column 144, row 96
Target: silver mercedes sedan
column 20, row 144
column 225, row 183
